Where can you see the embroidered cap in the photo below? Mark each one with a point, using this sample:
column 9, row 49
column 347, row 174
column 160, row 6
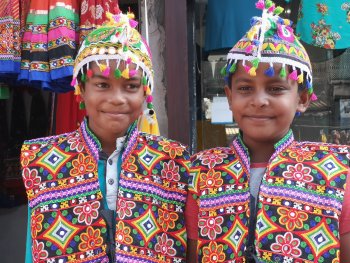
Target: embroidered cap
column 271, row 40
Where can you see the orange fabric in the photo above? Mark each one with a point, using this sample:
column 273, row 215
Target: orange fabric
column 191, row 215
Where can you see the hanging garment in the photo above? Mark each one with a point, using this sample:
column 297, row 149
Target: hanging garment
column 325, row 24
column 49, row 44
column 10, row 50
column 224, row 25
column 93, row 14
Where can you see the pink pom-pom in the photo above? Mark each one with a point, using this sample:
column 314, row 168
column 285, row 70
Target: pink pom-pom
column 89, row 73
column 249, row 49
column 132, row 73
column 313, row 97
column 133, row 23
column 260, row 4
column 73, row 82
column 293, row 75
column 272, row 8
column 149, row 99
column 128, row 61
column 106, row 72
column 247, row 68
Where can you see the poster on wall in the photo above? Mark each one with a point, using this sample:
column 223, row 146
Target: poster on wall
column 220, row 111
column 344, row 108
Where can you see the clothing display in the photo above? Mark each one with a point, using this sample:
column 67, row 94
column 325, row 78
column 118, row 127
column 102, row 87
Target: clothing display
column 49, row 44
column 324, row 24
column 300, row 205
column 64, row 177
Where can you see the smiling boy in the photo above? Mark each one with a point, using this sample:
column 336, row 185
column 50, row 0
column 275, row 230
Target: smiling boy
column 267, row 197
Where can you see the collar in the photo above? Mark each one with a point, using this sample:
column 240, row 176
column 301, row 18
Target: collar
column 242, row 151
column 94, row 145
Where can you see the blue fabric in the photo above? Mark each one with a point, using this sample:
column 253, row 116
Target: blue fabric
column 29, row 240
column 227, row 21
column 102, row 181
column 324, row 24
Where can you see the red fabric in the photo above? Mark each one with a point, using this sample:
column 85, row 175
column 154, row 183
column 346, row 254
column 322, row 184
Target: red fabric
column 191, row 217
column 344, row 222
column 68, row 114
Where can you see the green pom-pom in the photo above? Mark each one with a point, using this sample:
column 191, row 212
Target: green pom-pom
column 150, row 106
column 255, row 62
column 125, row 48
column 83, row 78
column 82, row 105
column 278, row 10
column 144, row 81
column 223, row 71
column 117, row 73
column 283, row 72
column 268, row 3
column 233, row 68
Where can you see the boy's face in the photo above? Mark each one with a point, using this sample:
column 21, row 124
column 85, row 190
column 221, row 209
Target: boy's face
column 112, row 104
column 262, row 106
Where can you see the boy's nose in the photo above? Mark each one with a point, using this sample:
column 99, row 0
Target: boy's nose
column 260, row 99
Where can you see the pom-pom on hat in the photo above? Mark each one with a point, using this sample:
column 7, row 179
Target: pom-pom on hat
column 271, row 40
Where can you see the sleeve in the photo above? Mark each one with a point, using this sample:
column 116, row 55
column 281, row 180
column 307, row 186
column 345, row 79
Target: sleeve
column 344, row 222
column 28, row 258
column 191, row 217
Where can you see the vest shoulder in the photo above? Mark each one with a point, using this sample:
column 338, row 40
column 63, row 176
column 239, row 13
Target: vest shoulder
column 222, row 151
column 44, row 141
column 319, row 146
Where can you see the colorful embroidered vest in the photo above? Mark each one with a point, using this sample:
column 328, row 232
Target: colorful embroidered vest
column 61, row 180
column 299, row 204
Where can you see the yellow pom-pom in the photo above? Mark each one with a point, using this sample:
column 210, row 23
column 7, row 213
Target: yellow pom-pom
column 252, row 72
column 125, row 73
column 130, row 15
column 102, row 67
column 301, row 78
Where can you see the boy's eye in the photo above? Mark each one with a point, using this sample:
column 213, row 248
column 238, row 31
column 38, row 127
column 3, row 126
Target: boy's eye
column 244, row 89
column 277, row 89
column 102, row 85
column 133, row 86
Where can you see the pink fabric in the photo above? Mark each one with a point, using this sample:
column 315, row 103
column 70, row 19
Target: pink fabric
column 191, row 217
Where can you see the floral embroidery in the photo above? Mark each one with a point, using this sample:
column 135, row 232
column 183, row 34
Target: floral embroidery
column 346, row 8
column 172, row 148
column 170, row 171
column 28, row 155
column 38, row 251
column 87, row 212
column 211, row 227
column 301, row 155
column 130, row 164
column 285, row 32
column 31, row 178
column 165, row 245
column 75, row 143
column 212, row 158
column 291, row 218
column 82, row 165
column 91, row 239
column 322, row 8
column 167, row 219
column 298, row 172
column 125, row 208
column 213, row 253
column 287, row 245
column 210, row 180
column 35, row 224
column 323, row 36
column 122, row 234
column 337, row 259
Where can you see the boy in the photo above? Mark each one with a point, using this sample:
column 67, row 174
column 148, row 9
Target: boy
column 268, row 198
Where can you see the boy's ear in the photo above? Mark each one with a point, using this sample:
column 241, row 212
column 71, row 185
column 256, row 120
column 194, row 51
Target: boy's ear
column 228, row 93
column 304, row 100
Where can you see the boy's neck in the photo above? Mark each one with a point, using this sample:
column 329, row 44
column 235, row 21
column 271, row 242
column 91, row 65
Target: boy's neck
column 260, row 152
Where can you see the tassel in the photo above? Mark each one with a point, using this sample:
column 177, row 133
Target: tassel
column 283, row 72
column 249, row 49
column 268, row 3
column 73, row 82
column 81, row 105
column 250, row 35
column 102, row 67
column 83, row 78
column 293, row 75
column 106, row 71
column 301, row 78
column 255, row 62
column 246, row 68
column 125, row 73
column 270, row 72
column 148, row 91
column 313, row 97
column 148, row 123
column 223, row 70
column 260, row 4
column 144, row 81
column 278, row 10
column 308, row 84
column 125, row 48
column 117, row 73
column 89, row 73
column 149, row 99
column 133, row 23
column 233, row 68
column 298, row 114
column 272, row 8
column 132, row 73
column 252, row 72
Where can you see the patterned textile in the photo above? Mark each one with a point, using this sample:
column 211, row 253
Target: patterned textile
column 299, row 204
column 61, row 180
column 325, row 23
column 271, row 40
column 49, row 44
column 93, row 14
column 10, row 43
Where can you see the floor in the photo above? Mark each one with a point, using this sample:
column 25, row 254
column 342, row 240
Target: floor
column 13, row 225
